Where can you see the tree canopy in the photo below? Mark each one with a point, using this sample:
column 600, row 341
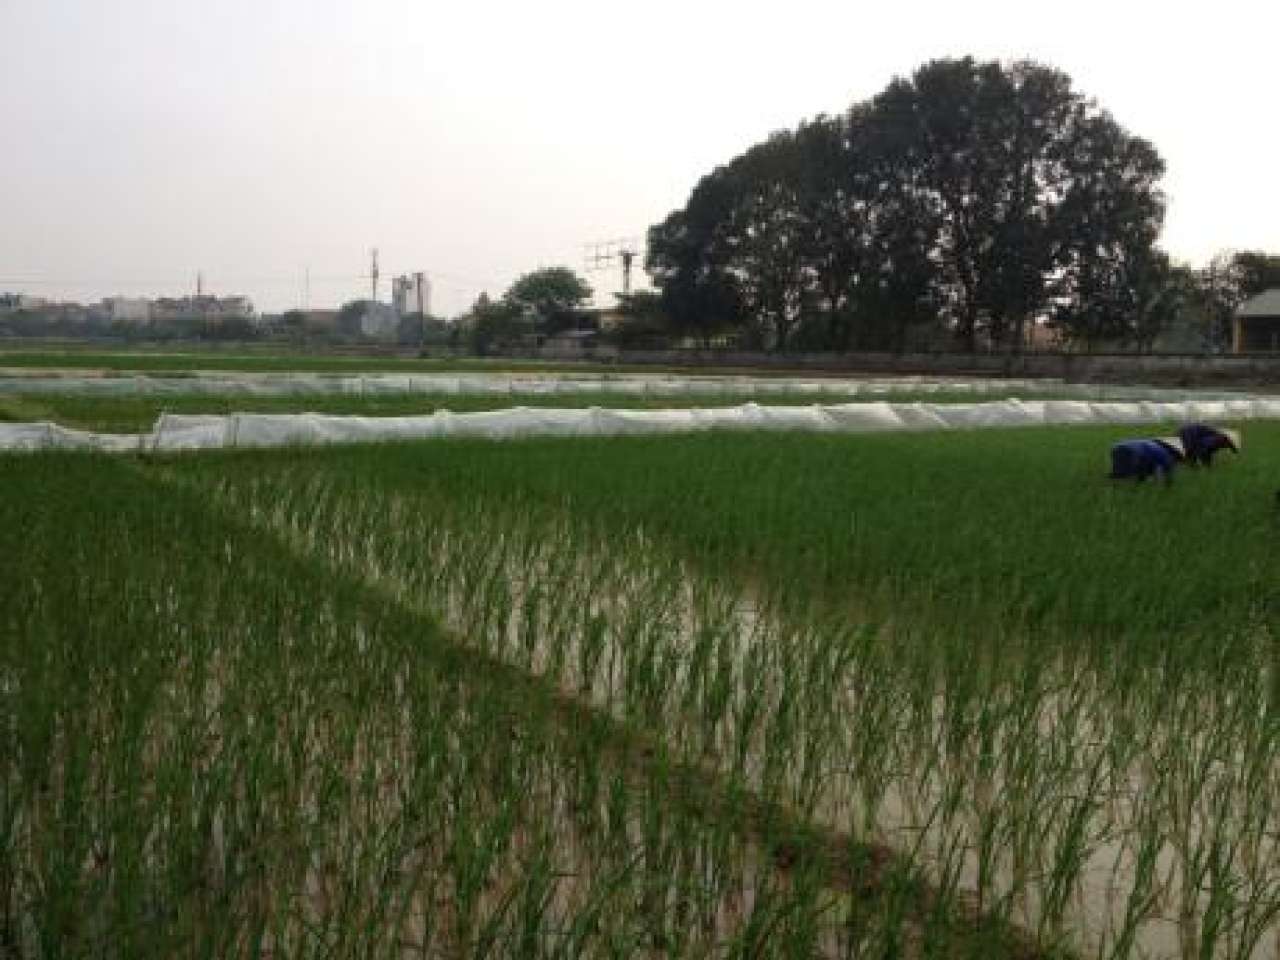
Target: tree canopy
column 1254, row 271
column 553, row 295
column 969, row 201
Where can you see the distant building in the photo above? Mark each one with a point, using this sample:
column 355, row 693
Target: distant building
column 1256, row 326
column 134, row 310
column 37, row 316
column 320, row 321
column 411, row 295
column 379, row 321
column 201, row 309
column 11, row 302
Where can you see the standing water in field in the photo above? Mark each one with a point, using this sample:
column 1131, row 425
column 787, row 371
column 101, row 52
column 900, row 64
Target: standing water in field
column 1072, row 802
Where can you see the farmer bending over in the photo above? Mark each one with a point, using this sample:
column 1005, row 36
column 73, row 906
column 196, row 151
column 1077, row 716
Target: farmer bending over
column 1201, row 442
column 1139, row 459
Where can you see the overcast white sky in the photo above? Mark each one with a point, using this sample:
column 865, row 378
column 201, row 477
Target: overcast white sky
column 143, row 140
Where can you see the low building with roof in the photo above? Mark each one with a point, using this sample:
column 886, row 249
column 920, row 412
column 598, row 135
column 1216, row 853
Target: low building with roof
column 1256, row 326
column 130, row 310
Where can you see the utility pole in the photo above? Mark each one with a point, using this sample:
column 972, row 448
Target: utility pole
column 422, row 313
column 373, row 276
column 627, row 256
column 603, row 254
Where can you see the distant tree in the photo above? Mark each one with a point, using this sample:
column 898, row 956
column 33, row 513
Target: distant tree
column 1165, row 297
column 554, row 295
column 643, row 320
column 692, row 268
column 25, row 322
column 225, row 328
column 293, row 325
column 350, row 315
column 1229, row 279
column 493, row 325
column 1175, row 313
column 1220, row 287
column 411, row 330
column 1255, row 271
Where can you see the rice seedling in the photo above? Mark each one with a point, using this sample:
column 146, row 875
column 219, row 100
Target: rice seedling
column 948, row 695
column 214, row 745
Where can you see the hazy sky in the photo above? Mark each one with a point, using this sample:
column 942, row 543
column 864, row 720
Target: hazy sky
column 143, row 140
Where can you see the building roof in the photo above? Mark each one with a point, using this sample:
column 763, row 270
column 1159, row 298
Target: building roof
column 1265, row 304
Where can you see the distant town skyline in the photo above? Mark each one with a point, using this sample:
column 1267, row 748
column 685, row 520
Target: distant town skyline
column 259, row 142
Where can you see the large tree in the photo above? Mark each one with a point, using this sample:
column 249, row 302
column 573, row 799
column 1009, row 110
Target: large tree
column 979, row 195
column 690, row 265
column 1105, row 228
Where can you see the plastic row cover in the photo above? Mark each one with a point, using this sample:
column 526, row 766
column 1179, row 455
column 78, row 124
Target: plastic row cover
column 181, row 432
column 550, row 385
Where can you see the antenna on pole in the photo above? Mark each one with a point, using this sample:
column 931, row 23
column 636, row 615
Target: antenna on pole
column 604, row 254
column 373, row 276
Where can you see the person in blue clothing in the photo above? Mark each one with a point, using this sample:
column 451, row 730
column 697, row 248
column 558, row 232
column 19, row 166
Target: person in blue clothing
column 1139, row 459
column 1201, row 442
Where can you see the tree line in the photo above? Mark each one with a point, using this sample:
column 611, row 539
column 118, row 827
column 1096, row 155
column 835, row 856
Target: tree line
column 964, row 206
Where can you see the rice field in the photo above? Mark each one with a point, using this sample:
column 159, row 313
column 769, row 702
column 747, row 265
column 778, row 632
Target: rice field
column 730, row 695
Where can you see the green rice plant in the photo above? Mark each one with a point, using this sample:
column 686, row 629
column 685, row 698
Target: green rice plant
column 216, row 744
column 1116, row 680
column 643, row 688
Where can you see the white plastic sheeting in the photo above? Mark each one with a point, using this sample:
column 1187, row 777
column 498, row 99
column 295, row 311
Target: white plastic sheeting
column 183, row 432
column 51, row 436
column 294, row 384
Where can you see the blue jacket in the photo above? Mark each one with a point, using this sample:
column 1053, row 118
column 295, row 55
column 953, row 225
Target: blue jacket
column 1139, row 459
column 1202, row 441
